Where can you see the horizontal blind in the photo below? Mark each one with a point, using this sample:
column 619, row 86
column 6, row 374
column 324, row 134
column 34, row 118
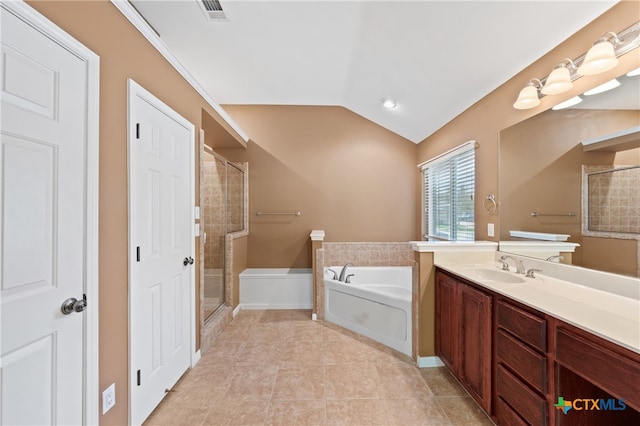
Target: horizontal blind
column 449, row 188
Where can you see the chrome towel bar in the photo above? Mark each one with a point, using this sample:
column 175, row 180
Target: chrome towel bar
column 278, row 214
column 536, row 214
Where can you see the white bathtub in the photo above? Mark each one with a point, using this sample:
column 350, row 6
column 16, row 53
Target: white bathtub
column 376, row 304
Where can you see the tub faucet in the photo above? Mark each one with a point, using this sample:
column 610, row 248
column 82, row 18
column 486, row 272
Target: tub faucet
column 343, row 272
column 335, row 276
column 519, row 265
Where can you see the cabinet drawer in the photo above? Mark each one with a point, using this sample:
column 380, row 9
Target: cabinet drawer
column 523, row 400
column 610, row 371
column 527, row 363
column 506, row 416
column 528, row 327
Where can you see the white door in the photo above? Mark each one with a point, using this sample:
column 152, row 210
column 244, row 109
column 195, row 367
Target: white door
column 161, row 248
column 44, row 208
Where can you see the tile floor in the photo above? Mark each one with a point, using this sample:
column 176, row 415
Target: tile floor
column 281, row 368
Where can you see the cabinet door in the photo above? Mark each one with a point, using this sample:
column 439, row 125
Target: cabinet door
column 447, row 327
column 475, row 344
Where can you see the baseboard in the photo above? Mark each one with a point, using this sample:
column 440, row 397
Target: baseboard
column 267, row 306
column 429, row 362
column 196, row 357
column 236, row 310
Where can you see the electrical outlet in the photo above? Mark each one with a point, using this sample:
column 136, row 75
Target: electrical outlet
column 108, row 398
column 490, row 230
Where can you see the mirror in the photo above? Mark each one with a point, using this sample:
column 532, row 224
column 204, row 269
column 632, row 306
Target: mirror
column 546, row 164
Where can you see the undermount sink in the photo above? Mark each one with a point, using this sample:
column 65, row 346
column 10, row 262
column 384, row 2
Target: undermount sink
column 497, row 275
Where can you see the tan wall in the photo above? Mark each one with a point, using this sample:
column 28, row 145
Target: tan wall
column 485, row 119
column 348, row 176
column 123, row 53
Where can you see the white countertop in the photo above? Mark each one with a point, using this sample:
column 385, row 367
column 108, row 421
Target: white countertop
column 613, row 317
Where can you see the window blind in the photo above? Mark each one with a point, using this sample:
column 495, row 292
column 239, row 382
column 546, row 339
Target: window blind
column 449, row 187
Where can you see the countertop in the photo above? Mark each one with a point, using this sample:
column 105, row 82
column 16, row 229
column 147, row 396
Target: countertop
column 613, row 317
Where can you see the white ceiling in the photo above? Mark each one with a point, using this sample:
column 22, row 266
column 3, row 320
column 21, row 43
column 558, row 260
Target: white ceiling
column 435, row 58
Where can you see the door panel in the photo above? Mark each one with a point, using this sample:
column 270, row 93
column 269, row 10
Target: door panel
column 161, row 227
column 43, row 88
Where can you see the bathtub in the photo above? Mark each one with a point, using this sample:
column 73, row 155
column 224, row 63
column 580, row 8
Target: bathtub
column 376, row 303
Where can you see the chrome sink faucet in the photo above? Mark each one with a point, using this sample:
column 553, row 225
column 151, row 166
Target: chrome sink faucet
column 520, row 269
column 343, row 272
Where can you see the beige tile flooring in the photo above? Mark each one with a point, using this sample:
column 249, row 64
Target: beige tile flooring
column 281, row 368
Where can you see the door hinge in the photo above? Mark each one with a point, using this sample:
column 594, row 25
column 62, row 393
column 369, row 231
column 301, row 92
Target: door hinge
column 138, row 374
column 137, row 130
column 138, row 254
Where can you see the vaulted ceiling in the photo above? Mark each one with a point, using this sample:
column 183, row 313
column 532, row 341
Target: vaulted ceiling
column 434, row 58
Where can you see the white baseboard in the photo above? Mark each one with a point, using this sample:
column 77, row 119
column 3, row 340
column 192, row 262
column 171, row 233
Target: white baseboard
column 267, row 306
column 196, row 357
column 236, row 310
column 429, row 362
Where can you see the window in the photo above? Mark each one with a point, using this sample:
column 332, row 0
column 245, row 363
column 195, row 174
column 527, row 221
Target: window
column 448, row 192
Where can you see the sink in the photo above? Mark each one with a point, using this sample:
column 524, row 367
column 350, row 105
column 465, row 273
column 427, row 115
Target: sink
column 497, row 275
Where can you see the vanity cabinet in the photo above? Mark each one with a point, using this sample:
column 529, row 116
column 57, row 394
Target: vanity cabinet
column 517, row 362
column 463, row 335
column 520, row 365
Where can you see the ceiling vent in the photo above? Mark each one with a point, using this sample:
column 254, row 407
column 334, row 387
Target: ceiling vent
column 213, row 10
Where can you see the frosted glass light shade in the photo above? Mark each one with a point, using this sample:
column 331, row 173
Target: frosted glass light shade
column 528, row 98
column 600, row 58
column 559, row 81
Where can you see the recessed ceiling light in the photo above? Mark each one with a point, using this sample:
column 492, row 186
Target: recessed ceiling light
column 633, row 73
column 389, row 103
column 569, row 102
column 611, row 84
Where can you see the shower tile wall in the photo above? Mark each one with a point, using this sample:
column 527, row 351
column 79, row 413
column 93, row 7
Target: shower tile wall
column 614, row 200
column 235, row 200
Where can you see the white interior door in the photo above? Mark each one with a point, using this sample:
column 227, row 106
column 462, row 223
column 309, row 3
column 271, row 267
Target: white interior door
column 44, row 220
column 161, row 248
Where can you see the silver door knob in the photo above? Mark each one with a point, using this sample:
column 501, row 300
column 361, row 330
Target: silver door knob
column 187, row 261
column 73, row 305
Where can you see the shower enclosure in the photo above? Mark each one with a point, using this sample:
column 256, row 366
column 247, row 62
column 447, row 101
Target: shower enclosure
column 222, row 212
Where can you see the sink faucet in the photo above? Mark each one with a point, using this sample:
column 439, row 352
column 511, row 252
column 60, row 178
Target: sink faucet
column 519, row 265
column 554, row 258
column 343, row 272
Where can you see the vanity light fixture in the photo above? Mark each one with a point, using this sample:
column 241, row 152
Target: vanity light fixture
column 528, row 97
column 601, row 57
column 611, row 84
column 633, row 73
column 389, row 103
column 559, row 81
column 568, row 103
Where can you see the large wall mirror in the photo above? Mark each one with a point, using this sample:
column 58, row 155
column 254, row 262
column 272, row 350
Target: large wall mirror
column 576, row 172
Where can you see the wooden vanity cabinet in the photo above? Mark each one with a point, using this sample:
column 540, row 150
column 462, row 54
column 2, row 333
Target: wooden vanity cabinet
column 521, row 375
column 516, row 361
column 463, row 334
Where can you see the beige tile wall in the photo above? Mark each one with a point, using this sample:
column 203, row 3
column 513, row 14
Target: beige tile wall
column 614, row 200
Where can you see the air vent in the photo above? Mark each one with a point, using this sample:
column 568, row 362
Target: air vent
column 213, row 10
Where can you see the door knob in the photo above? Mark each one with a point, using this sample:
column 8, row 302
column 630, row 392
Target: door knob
column 73, row 305
column 187, row 261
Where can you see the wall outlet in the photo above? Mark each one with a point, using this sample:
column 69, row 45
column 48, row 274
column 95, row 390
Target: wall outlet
column 108, row 398
column 490, row 230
